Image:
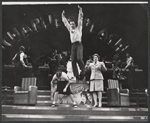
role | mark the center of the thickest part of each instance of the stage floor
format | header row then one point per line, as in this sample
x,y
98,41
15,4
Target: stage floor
x,y
64,112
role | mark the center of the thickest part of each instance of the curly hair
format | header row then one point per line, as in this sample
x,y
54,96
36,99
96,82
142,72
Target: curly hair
x,y
22,48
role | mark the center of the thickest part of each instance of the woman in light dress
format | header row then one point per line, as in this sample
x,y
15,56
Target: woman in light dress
x,y
96,79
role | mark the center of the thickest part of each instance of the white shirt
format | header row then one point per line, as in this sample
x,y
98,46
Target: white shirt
x,y
129,61
75,34
22,56
63,77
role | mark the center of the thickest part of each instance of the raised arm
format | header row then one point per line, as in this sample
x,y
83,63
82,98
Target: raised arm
x,y
129,63
66,79
64,20
103,67
80,18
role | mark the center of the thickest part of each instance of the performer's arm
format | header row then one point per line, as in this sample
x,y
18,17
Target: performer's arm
x,y
21,59
103,67
80,18
129,63
66,79
64,20
52,86
53,79
87,66
13,59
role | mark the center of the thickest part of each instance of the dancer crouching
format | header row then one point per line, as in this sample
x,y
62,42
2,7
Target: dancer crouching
x,y
62,86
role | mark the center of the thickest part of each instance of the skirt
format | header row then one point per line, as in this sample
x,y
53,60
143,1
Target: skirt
x,y
60,87
96,85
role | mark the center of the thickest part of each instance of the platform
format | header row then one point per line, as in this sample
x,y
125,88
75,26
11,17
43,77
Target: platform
x,y
68,113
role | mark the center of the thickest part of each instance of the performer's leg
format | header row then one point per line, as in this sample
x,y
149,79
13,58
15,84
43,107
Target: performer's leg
x,y
131,78
53,90
19,74
71,97
55,98
80,58
95,99
74,60
100,98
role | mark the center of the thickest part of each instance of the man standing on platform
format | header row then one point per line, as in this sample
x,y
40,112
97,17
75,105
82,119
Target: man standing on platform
x,y
20,65
130,65
76,38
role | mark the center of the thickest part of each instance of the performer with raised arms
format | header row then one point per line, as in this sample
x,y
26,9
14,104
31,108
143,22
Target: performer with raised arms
x,y
76,39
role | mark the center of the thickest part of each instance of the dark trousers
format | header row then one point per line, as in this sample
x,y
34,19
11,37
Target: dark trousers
x,y
131,77
19,73
76,57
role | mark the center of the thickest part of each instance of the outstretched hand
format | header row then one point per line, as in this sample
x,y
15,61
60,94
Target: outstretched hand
x,y
63,12
79,7
64,90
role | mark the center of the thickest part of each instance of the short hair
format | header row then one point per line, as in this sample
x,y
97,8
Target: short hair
x,y
71,18
22,48
58,74
97,56
127,53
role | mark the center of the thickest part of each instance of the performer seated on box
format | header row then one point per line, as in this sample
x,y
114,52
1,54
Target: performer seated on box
x,y
62,86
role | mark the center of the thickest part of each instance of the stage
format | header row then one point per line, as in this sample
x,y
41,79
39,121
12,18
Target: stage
x,y
64,111
68,113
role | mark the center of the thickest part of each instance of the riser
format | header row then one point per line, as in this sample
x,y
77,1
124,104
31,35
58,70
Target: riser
x,y
73,118
104,99
73,111
47,98
104,103
41,92
43,98
49,104
44,92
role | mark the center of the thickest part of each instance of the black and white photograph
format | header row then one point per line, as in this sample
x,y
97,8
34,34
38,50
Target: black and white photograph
x,y
74,61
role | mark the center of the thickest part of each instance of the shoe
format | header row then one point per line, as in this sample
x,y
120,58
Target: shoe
x,y
100,105
84,79
75,105
53,105
95,105
77,79
82,76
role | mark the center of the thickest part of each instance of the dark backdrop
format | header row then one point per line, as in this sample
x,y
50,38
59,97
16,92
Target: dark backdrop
x,y
128,21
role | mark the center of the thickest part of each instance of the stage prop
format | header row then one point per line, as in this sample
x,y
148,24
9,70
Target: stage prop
x,y
80,94
27,93
140,97
117,96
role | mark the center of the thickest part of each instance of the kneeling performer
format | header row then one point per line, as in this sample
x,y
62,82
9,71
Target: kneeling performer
x,y
62,86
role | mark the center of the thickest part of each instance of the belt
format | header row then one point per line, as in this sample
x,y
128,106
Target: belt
x,y
77,42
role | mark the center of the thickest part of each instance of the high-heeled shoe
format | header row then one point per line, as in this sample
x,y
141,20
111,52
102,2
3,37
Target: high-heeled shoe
x,y
100,105
95,105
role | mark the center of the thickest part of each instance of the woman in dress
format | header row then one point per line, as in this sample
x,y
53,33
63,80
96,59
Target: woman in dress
x,y
96,79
